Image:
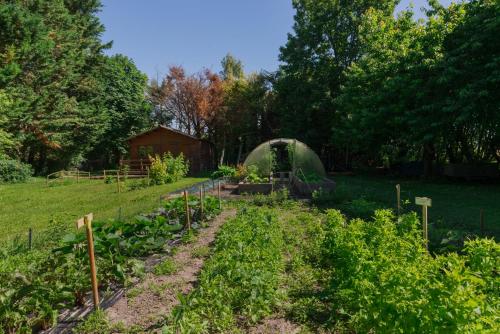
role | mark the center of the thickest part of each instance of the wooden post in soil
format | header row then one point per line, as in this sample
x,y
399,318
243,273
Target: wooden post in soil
x,y
425,202
87,222
104,175
77,176
218,195
188,218
481,221
201,202
118,181
398,197
30,238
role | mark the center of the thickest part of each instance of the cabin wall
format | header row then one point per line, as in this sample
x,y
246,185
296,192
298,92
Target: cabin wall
x,y
198,152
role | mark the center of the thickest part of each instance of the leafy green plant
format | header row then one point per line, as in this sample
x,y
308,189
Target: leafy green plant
x,y
239,281
224,171
166,267
381,267
253,175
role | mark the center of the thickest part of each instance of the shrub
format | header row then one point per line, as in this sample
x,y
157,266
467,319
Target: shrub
x,y
14,171
224,171
386,282
168,169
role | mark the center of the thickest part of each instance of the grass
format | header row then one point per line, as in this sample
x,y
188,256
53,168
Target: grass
x,y
454,205
35,205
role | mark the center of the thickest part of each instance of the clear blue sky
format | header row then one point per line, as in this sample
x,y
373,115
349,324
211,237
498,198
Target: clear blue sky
x,y
198,33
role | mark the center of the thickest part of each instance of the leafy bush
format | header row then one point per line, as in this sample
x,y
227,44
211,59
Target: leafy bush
x,y
386,282
276,198
253,175
359,208
224,171
14,171
168,169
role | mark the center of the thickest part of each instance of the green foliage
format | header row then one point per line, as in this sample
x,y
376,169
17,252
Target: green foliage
x,y
28,288
359,208
13,171
96,323
224,171
254,176
168,169
385,281
166,267
310,177
277,198
239,281
433,81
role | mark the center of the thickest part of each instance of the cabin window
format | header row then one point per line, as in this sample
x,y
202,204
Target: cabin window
x,y
144,151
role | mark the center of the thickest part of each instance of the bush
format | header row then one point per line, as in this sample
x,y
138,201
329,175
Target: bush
x,y
168,169
13,171
386,282
224,171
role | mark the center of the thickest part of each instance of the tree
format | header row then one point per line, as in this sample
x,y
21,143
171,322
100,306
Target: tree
x,y
323,45
192,101
426,90
123,89
232,68
51,52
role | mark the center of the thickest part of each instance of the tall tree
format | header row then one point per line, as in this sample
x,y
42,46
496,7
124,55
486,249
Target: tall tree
x,y
323,45
232,68
123,89
192,101
50,52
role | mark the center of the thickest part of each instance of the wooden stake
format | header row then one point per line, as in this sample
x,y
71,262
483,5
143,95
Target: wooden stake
x,y
481,222
188,218
87,221
201,202
30,238
77,176
218,194
425,202
104,175
398,196
118,181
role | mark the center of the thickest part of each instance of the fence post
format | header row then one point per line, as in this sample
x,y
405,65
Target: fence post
x,y
201,201
481,221
30,238
77,176
398,196
218,195
118,181
188,218
425,202
104,175
87,222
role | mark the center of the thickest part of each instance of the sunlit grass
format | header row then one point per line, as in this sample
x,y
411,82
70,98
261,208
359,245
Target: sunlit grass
x,y
34,205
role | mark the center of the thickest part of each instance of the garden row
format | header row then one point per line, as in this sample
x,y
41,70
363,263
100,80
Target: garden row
x,y
36,285
323,271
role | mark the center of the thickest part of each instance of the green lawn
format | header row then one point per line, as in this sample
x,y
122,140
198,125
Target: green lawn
x,y
34,204
454,205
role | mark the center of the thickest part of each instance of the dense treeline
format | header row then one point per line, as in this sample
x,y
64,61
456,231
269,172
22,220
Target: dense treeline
x,y
370,86
357,83
61,99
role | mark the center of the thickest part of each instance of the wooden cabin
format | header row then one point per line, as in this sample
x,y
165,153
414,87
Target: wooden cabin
x,y
162,139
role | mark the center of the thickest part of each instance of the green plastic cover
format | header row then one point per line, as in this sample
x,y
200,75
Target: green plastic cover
x,y
269,157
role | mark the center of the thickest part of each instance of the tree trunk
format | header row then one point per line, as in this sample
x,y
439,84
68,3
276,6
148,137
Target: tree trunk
x,y
428,158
